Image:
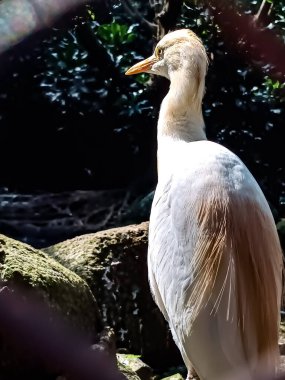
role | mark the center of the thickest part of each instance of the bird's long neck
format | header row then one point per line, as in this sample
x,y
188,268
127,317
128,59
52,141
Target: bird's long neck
x,y
180,121
180,114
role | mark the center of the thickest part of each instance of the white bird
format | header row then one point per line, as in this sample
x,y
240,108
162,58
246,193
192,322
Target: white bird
x,y
214,259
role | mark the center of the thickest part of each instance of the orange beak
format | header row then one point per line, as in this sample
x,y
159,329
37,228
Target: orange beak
x,y
143,66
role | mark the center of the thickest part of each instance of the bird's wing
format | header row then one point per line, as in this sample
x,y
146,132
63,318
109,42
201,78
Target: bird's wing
x,y
156,293
213,242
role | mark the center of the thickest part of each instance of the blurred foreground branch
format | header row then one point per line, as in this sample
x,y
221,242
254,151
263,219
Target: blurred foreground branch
x,y
24,322
20,18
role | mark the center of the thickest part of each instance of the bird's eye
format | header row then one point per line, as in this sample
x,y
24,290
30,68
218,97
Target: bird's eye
x,y
158,52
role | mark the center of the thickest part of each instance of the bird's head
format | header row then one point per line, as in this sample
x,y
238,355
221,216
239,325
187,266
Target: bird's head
x,y
178,51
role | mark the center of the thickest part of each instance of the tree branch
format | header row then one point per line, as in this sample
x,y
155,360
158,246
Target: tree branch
x,y
133,12
262,17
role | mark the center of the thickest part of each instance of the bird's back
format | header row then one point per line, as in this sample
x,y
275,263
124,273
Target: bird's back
x,y
215,260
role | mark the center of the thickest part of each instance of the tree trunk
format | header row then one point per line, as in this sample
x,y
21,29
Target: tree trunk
x,y
166,14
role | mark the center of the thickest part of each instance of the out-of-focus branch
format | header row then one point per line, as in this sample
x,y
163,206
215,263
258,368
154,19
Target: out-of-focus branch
x,y
27,325
20,18
259,46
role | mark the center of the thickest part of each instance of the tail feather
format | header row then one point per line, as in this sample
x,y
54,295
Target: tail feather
x,y
238,242
258,258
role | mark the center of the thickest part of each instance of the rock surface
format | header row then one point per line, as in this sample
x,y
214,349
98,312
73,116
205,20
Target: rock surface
x,y
127,372
133,362
32,273
177,376
114,264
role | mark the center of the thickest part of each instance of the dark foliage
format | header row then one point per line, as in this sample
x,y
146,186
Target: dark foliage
x,y
70,119
69,115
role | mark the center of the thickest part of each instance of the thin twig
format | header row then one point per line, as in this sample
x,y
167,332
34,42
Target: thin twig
x,y
263,15
133,12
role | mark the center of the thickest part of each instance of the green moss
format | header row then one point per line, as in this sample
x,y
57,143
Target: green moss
x,y
88,255
114,264
177,376
127,372
64,291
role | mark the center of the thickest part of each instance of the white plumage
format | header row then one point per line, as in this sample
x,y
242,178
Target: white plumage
x,y
214,262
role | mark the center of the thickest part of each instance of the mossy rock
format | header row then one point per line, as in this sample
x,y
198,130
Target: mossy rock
x,y
114,264
33,273
136,365
127,372
177,376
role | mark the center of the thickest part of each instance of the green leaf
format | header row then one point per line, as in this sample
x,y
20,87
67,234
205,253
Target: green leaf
x,y
276,84
91,14
116,34
142,78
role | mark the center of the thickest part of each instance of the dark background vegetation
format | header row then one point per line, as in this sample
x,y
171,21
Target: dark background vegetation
x,y
70,120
